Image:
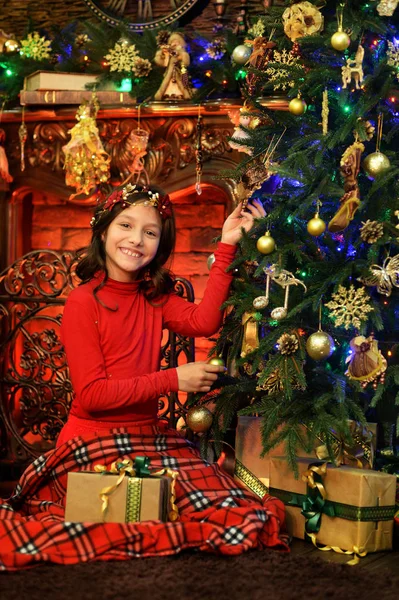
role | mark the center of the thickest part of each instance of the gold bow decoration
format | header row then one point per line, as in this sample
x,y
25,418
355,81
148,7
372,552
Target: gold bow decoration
x,y
138,468
250,340
361,450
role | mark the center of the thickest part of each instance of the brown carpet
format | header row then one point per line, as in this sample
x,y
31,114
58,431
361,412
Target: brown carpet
x,y
253,576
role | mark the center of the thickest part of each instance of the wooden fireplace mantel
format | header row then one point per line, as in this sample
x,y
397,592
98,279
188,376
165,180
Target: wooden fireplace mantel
x,y
170,160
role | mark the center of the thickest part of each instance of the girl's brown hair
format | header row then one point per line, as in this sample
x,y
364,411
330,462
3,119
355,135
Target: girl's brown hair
x,y
158,280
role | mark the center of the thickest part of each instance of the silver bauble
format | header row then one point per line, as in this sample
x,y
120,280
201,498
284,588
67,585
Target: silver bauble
x,y
241,54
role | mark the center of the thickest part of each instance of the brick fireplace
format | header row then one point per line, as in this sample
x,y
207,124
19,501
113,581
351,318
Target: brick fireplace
x,y
40,214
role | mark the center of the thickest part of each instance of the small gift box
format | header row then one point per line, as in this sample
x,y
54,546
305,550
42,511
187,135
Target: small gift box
x,y
347,510
126,493
249,447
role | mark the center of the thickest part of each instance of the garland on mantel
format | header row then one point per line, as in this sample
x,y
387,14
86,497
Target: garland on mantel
x,y
125,59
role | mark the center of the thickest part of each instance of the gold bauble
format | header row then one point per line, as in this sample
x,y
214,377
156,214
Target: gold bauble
x,y
375,164
199,419
297,106
316,226
340,40
266,244
210,261
11,46
241,54
216,360
320,345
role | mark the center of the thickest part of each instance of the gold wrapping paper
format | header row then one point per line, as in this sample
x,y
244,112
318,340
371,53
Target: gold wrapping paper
x,y
146,500
349,487
249,447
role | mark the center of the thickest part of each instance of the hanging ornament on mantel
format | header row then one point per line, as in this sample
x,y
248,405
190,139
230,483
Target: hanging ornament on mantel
x,y
4,171
86,162
198,153
376,163
340,40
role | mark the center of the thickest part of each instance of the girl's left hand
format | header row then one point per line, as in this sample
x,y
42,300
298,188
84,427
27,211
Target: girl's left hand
x,y
241,219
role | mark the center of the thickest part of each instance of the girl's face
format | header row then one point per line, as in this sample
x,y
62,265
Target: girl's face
x,y
131,241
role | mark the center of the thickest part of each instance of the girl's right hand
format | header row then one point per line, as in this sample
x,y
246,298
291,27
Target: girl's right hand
x,y
198,376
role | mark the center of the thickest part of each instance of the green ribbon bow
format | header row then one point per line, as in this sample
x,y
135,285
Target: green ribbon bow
x,y
141,466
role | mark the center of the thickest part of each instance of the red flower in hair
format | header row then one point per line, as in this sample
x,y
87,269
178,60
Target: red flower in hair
x,y
165,206
113,199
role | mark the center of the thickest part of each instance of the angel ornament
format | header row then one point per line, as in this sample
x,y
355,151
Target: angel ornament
x,y
354,68
175,58
384,277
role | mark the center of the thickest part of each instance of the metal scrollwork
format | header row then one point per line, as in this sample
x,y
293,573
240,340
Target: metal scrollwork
x,y
35,386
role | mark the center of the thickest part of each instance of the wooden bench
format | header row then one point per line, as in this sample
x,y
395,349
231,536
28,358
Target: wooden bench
x,y
35,386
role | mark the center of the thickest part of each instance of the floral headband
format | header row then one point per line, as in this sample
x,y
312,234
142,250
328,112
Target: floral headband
x,y
162,203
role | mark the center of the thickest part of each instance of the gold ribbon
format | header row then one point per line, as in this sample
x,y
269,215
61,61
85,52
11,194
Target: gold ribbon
x,y
250,340
125,467
308,476
357,552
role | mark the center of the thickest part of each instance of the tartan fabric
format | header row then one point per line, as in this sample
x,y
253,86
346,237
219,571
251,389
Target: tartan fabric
x,y
216,515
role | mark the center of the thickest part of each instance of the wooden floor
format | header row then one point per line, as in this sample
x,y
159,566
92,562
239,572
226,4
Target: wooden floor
x,y
372,562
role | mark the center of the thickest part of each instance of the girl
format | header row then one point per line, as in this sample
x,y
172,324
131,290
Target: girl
x,y
112,330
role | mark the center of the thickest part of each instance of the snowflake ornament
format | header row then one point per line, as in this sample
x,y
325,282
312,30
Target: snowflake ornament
x,y
122,57
36,47
349,307
279,74
393,57
257,29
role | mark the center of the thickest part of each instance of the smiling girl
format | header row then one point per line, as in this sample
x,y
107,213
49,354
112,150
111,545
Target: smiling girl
x,y
112,332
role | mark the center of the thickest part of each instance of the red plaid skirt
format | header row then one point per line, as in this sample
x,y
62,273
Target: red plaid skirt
x,y
216,514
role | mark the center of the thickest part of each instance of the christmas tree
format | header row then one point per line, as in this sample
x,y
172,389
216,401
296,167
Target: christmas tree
x,y
311,329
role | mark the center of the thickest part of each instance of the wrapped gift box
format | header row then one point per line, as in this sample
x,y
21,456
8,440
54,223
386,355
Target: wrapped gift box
x,y
249,448
134,499
363,502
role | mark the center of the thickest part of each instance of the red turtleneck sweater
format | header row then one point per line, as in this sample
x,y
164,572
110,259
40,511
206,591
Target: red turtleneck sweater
x,y
114,356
